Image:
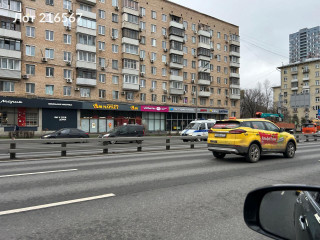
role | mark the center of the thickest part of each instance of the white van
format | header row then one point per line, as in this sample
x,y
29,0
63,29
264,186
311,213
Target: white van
x,y
198,128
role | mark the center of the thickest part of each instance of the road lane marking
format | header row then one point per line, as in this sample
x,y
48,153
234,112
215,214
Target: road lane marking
x,y
18,210
35,173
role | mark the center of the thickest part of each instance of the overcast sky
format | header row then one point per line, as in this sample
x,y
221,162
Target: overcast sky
x,y
264,26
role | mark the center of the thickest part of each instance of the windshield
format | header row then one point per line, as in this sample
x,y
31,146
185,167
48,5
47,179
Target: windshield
x,y
193,125
226,125
308,126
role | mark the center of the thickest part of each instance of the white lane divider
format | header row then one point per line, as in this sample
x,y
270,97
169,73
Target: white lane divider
x,y
19,210
35,173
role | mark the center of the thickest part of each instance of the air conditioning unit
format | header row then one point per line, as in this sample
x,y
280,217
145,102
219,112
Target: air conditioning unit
x,y
141,59
165,36
44,59
192,80
212,49
69,80
103,68
70,11
123,93
116,8
77,89
140,29
152,61
68,63
165,91
195,56
165,50
142,74
306,110
140,15
195,31
25,76
113,37
30,19
215,56
68,28
169,97
193,93
184,92
151,89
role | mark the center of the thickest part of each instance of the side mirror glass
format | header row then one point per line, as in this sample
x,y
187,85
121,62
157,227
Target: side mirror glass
x,y
288,212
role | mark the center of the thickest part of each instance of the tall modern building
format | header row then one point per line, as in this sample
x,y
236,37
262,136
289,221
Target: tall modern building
x,y
97,64
304,44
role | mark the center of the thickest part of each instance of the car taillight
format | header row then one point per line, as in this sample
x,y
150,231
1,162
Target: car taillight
x,y
143,132
237,131
210,131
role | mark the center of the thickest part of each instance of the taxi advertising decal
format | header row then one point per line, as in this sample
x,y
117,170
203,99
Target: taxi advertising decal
x,y
268,138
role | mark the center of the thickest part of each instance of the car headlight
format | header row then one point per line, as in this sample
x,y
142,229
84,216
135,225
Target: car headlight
x,y
46,136
190,134
105,136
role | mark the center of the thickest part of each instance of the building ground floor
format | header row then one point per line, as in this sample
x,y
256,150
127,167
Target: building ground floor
x,y
43,115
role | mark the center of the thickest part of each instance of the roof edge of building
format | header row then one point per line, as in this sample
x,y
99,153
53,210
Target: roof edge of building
x,y
300,62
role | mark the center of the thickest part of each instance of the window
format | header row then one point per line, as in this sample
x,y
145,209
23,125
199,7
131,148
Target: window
x,y
143,68
49,2
142,11
102,14
164,17
193,76
67,38
164,98
30,69
153,97
130,4
129,95
128,48
115,17
30,50
203,101
67,73
143,97
142,83
87,23
226,81
49,53
193,64
30,31
30,88
67,56
153,42
67,4
185,50
49,17
194,39
317,82
66,91
154,84
114,64
218,68
86,56
102,62
85,92
153,56
102,93
153,70
85,7
211,102
102,78
143,40
49,35
129,33
6,86
185,24
115,48
218,34
185,75
317,74
153,15
174,99
225,48
164,72
142,25
142,54
102,30
49,89
115,3
30,12
225,59
164,85
153,28
185,62
49,72
164,44
133,79
115,94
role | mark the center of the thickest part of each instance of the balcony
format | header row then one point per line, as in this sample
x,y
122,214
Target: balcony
x,y
204,45
86,82
130,71
204,82
294,88
10,54
235,75
86,65
306,87
90,2
176,25
10,33
293,72
130,11
235,64
204,94
306,79
131,87
10,14
10,74
86,14
305,71
177,52
235,54
294,80
86,48
235,85
176,65
176,38
176,78
235,96
204,33
202,69
130,41
176,91
234,42
203,57
88,31
130,25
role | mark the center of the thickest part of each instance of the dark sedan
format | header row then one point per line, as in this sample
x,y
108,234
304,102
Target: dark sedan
x,y
66,133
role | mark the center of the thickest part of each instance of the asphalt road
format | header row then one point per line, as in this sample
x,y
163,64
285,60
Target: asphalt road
x,y
178,194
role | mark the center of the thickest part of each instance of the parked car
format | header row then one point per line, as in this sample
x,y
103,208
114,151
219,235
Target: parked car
x,y
67,133
129,130
198,128
284,211
250,138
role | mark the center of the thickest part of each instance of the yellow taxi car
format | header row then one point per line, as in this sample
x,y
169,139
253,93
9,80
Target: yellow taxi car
x,y
249,138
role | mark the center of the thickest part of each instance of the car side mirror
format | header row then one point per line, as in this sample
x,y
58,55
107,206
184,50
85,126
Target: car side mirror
x,y
59,133
284,211
281,130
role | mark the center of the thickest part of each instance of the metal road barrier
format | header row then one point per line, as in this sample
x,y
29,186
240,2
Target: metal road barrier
x,y
307,137
15,147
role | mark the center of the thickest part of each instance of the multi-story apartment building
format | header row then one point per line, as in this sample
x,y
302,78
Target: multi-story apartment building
x,y
96,64
304,44
299,93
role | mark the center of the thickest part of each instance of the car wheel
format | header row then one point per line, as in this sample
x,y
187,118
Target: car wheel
x,y
139,141
254,153
185,140
219,155
112,142
290,150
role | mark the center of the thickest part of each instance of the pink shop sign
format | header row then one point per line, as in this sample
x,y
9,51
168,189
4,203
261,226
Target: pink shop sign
x,y
147,108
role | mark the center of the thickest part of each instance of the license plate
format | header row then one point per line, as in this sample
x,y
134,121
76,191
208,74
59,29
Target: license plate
x,y
221,135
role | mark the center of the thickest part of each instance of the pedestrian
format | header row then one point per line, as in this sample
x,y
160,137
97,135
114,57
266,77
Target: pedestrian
x,y
15,132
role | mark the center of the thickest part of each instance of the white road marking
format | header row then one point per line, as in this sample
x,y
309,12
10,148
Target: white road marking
x,y
35,173
55,204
